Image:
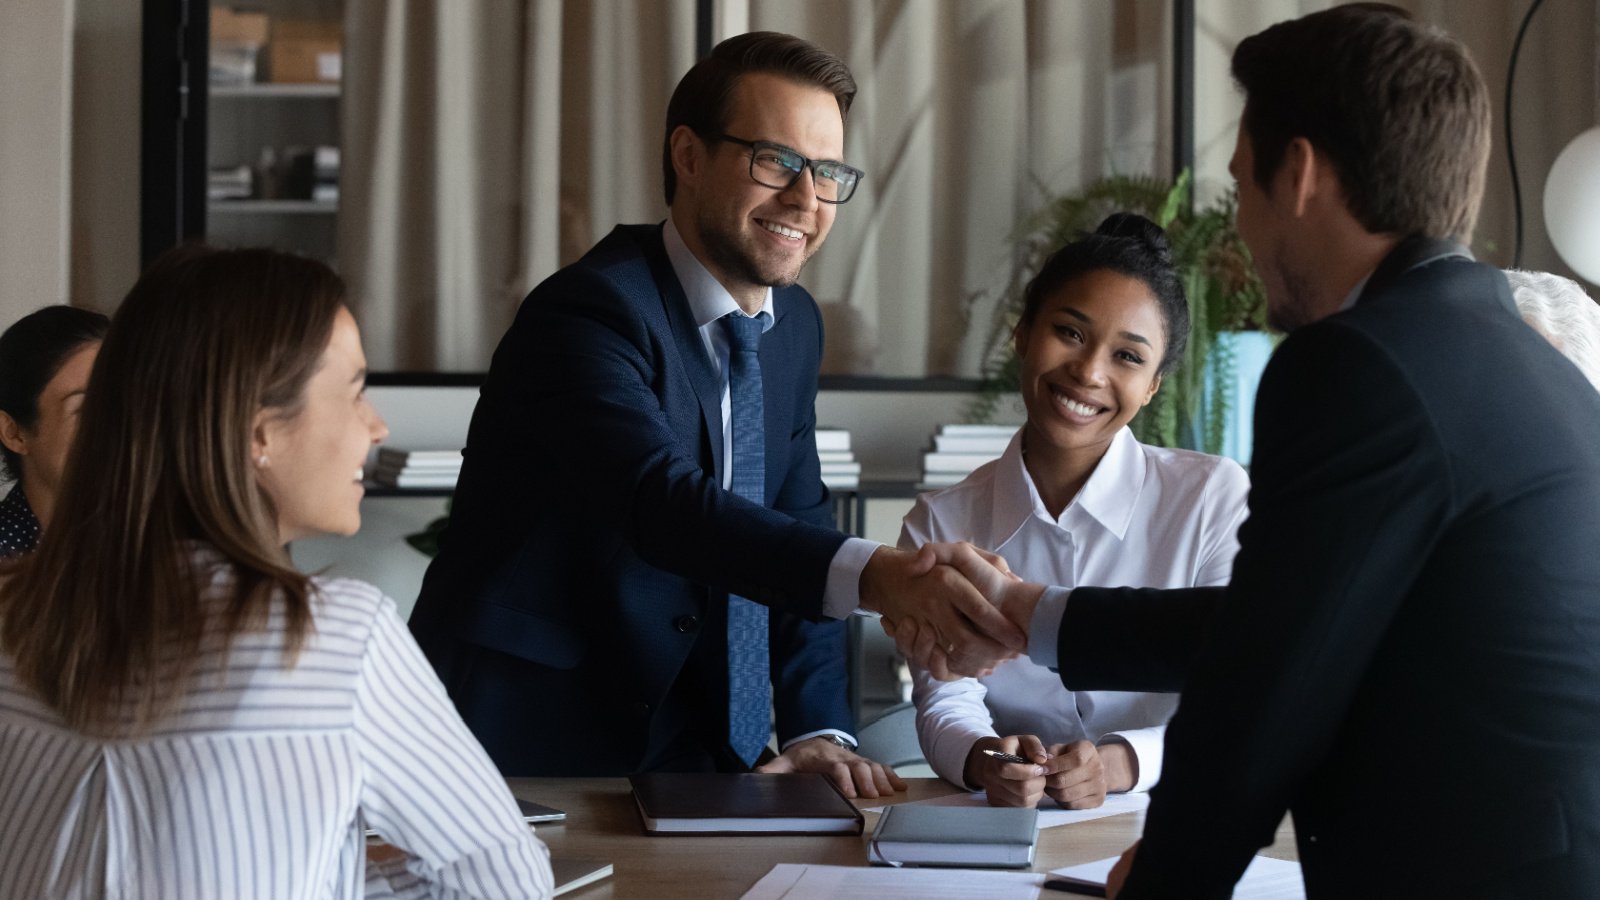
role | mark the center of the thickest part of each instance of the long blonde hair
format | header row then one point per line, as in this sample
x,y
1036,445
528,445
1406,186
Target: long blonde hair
x,y
105,620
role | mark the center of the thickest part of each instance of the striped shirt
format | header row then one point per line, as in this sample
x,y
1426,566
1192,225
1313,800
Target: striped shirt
x,y
262,781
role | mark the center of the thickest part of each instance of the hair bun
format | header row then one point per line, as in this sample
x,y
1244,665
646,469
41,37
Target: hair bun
x,y
1137,227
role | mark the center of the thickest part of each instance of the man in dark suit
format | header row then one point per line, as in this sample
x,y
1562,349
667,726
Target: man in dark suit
x,y
640,542
1408,655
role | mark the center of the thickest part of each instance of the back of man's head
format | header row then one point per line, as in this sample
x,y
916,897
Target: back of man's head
x,y
1397,106
701,99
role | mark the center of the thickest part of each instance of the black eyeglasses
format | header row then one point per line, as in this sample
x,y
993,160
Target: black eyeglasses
x,y
776,166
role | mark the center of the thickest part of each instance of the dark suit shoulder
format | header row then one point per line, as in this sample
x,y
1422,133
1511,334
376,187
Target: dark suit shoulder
x,y
625,254
626,267
796,301
1436,319
1501,397
619,291
1334,367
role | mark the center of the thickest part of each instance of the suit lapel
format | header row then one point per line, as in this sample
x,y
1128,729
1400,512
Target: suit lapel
x,y
691,349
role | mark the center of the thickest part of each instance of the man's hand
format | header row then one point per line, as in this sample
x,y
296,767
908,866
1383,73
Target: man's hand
x,y
1119,872
989,573
853,775
950,627
1009,784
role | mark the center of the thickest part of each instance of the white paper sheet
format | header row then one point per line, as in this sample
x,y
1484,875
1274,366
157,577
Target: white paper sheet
x,y
1264,879
793,881
1050,815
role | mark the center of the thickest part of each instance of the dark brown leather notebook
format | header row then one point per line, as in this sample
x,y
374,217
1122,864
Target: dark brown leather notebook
x,y
709,803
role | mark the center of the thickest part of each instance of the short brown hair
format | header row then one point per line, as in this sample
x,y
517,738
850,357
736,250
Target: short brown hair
x,y
106,617
1397,106
701,99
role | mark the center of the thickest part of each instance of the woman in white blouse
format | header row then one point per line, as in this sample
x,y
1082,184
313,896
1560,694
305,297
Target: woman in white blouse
x,y
182,713
1077,500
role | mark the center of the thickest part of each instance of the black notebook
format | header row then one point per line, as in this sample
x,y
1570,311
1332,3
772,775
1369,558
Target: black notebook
x,y
954,836
708,803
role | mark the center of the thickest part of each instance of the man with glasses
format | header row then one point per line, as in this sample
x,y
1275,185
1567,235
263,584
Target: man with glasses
x,y
640,569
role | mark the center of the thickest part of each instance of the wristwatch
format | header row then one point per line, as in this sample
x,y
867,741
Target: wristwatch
x,y
837,741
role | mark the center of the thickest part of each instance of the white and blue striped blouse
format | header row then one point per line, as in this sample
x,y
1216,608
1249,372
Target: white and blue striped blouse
x,y
263,780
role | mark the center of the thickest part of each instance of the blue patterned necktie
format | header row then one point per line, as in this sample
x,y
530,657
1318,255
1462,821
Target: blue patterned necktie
x,y
749,722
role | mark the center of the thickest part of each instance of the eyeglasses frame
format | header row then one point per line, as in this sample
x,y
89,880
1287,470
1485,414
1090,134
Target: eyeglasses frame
x,y
805,163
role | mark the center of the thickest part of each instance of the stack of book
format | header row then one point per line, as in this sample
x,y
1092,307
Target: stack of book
x,y
840,470
417,468
325,174
229,183
958,449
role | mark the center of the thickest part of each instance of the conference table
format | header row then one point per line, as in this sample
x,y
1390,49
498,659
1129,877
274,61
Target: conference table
x,y
603,823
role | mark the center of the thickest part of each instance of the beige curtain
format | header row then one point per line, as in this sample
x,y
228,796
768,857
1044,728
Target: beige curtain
x,y
969,111
1557,96
35,157
489,141
485,144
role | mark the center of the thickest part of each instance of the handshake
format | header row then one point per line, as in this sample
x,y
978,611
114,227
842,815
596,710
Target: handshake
x,y
951,608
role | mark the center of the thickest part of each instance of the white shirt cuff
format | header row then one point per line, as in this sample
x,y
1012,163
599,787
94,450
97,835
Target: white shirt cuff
x,y
1044,630
842,596
811,734
1146,745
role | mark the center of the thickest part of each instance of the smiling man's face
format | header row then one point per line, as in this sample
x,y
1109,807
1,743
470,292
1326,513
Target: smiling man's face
x,y
757,237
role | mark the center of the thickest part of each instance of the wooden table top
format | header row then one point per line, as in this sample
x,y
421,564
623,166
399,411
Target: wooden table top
x,y
603,823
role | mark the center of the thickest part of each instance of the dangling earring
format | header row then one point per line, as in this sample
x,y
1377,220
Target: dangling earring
x,y
262,462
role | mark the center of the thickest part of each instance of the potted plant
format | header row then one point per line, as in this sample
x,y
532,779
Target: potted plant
x,y
1197,402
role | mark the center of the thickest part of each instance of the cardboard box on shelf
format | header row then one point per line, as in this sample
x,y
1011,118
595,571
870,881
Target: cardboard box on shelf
x,y
237,37
305,50
238,26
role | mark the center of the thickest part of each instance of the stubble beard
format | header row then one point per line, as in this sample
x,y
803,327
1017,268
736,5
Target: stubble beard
x,y
730,251
1293,306
1296,308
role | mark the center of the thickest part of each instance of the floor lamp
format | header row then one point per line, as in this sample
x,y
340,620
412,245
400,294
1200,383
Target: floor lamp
x,y
1572,193
1572,205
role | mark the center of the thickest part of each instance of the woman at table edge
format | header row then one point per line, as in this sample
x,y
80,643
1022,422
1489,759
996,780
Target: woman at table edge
x,y
1075,499
187,714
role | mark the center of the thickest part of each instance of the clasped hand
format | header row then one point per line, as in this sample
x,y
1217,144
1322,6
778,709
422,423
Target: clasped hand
x,y
1077,775
951,608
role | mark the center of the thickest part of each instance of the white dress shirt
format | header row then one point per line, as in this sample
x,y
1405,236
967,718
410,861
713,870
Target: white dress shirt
x,y
263,781
1146,517
709,301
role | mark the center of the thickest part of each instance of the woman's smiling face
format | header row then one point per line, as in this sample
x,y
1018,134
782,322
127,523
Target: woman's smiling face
x,y
1091,357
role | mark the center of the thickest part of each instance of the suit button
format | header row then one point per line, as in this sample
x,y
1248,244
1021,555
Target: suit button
x,y
686,624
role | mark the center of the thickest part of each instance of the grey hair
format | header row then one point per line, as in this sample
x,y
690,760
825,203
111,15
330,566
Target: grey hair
x,y
1559,309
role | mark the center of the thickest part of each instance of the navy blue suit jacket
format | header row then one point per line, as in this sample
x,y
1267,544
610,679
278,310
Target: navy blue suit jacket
x,y
1408,654
584,573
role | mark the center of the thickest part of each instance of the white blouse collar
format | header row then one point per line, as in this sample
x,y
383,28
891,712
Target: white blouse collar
x,y
1109,497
